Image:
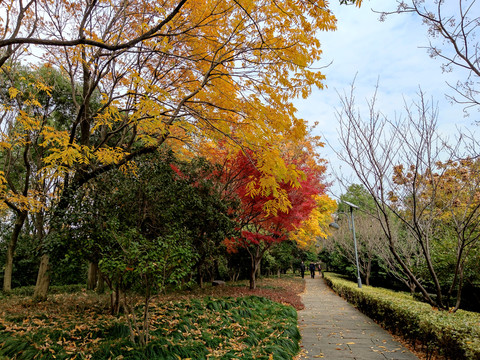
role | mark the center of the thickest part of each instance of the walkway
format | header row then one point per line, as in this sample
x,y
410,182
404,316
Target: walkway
x,y
333,329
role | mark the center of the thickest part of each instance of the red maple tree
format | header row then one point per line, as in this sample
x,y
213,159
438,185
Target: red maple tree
x,y
258,227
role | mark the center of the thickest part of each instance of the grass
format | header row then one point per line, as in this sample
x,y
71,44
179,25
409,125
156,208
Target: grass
x,y
227,322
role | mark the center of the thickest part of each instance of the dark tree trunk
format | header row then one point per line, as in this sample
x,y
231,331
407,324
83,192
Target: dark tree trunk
x,y
92,278
7,276
368,272
100,285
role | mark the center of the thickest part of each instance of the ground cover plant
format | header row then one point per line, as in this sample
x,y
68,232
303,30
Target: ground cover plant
x,y
212,323
453,335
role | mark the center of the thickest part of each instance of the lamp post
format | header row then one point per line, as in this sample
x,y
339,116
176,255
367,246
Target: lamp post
x,y
336,226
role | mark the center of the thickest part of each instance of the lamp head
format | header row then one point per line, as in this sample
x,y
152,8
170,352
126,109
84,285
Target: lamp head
x,y
334,225
350,204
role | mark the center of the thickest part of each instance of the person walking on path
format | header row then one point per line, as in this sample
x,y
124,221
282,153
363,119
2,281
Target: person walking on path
x,y
333,329
302,269
312,270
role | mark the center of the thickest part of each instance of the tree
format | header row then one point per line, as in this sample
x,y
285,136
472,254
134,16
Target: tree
x,y
458,26
260,225
455,186
148,229
32,99
315,227
377,149
373,254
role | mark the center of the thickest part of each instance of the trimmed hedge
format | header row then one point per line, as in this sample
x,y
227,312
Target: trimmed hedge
x,y
454,335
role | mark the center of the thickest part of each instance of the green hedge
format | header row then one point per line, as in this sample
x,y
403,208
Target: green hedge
x,y
54,289
455,335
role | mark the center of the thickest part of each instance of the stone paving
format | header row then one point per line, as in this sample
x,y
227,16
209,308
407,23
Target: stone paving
x,y
331,328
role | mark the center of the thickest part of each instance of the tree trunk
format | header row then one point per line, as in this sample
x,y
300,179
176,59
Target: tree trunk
x,y
43,279
412,287
252,278
368,272
256,259
100,285
459,290
7,277
92,276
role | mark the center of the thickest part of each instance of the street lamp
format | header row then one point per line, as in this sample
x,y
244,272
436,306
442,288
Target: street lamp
x,y
336,226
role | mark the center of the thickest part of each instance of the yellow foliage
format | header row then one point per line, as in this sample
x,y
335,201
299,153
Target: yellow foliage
x,y
316,226
13,92
108,155
216,71
32,202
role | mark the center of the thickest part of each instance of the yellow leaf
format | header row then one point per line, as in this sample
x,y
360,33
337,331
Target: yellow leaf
x,y
13,92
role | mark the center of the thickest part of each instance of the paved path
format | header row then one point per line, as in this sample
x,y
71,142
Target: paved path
x,y
333,329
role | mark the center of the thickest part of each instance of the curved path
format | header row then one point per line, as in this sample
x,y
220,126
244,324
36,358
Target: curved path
x,y
333,329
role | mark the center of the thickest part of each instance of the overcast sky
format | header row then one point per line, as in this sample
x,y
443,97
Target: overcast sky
x,y
390,52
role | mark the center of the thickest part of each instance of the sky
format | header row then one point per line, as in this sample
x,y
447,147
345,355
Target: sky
x,y
390,52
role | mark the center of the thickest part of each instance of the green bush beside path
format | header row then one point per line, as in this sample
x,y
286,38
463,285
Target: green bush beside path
x,y
454,335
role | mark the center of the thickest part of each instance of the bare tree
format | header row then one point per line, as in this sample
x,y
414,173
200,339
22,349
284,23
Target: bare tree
x,y
392,159
409,250
457,24
369,236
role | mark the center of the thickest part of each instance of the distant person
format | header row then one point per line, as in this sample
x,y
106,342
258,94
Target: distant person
x,y
312,270
320,269
302,269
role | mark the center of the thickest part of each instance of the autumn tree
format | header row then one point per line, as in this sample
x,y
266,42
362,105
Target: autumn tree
x,y
316,226
398,163
260,224
455,187
176,72
32,99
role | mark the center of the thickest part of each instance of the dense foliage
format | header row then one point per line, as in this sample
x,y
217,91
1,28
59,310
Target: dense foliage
x,y
111,83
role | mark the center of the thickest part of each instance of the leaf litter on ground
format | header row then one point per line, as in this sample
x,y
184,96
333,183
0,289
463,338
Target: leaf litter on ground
x,y
223,322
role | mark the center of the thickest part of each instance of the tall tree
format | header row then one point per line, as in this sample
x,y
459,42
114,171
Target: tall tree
x,y
260,224
455,188
32,99
398,163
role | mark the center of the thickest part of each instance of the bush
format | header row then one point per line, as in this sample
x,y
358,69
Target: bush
x,y
454,335
54,289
